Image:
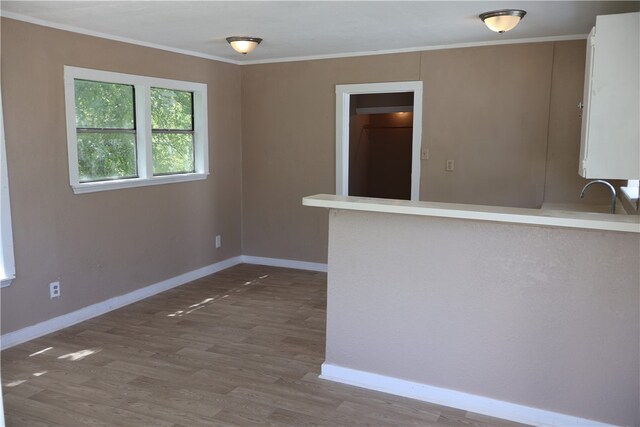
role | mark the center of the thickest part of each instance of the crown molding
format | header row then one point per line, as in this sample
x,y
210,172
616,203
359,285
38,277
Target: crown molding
x,y
70,28
418,49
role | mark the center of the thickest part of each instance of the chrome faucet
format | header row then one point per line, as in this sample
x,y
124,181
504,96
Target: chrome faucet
x,y
611,188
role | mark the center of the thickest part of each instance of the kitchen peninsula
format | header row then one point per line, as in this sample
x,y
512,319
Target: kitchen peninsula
x,y
525,314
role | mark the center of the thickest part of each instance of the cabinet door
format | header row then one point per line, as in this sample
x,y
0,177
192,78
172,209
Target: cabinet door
x,y
611,134
586,103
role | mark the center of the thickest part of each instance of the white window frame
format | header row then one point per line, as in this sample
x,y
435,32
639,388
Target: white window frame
x,y
142,85
7,260
632,192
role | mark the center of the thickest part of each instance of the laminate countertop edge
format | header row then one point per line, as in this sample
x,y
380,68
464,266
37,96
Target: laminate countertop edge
x,y
543,217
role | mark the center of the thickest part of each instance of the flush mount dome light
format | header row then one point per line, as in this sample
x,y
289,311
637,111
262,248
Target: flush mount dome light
x,y
243,45
504,20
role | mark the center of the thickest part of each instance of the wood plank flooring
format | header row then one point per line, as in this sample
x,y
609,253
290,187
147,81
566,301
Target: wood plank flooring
x,y
241,347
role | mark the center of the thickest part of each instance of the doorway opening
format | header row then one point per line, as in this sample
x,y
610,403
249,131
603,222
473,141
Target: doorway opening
x,y
378,139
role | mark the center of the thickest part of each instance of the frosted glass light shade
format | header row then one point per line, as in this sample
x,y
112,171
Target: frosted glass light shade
x,y
244,45
501,21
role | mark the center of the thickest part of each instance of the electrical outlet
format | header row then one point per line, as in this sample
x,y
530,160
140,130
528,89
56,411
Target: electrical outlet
x,y
54,290
449,165
218,242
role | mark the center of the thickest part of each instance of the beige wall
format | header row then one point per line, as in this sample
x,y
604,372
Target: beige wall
x,y
525,314
505,114
563,184
288,147
106,244
487,108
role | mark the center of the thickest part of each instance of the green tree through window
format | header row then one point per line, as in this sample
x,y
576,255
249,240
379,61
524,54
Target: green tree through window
x,y
106,130
172,131
126,130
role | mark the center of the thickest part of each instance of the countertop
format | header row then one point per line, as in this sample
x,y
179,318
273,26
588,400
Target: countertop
x,y
544,217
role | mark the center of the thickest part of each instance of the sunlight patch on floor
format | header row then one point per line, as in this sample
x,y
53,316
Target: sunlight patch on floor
x,y
15,383
40,352
79,355
210,300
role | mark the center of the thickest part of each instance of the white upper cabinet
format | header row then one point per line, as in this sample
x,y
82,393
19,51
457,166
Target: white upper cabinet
x,y
610,142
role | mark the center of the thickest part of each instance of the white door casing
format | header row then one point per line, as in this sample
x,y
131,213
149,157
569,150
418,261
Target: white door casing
x,y
343,96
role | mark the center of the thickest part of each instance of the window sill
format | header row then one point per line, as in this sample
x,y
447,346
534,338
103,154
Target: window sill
x,y
6,282
91,187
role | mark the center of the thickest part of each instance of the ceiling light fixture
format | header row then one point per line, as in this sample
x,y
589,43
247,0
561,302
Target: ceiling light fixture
x,y
243,45
504,20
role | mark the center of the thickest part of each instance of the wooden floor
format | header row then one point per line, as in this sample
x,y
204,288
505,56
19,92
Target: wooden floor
x,y
240,347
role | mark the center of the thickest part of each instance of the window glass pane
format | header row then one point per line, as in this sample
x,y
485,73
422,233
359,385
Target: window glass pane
x,y
172,153
106,156
104,105
171,109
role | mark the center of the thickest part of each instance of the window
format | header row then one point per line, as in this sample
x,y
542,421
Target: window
x,y
126,130
630,191
7,263
105,131
172,131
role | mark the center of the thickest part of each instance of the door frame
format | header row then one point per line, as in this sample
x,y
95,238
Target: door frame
x,y
343,99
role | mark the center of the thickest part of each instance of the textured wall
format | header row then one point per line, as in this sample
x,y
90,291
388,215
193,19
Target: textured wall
x,y
563,184
105,244
496,110
288,147
539,316
487,108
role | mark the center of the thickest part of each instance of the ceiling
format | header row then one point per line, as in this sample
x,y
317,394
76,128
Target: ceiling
x,y
309,29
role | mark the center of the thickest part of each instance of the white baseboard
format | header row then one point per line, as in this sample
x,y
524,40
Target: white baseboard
x,y
276,262
48,326
455,399
52,325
